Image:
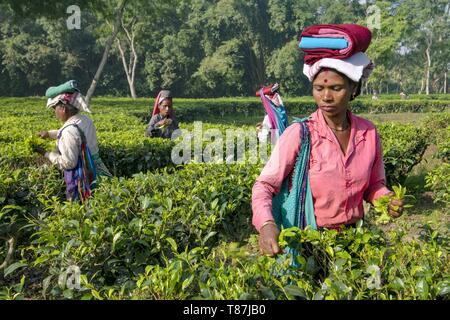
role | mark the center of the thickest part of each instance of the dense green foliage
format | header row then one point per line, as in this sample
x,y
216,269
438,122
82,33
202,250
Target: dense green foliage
x,y
438,180
162,231
214,48
403,148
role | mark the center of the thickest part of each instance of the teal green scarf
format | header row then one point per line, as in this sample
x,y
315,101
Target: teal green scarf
x,y
295,208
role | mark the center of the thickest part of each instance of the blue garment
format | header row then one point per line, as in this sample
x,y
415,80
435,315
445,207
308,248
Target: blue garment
x,y
326,43
281,116
295,208
82,179
277,114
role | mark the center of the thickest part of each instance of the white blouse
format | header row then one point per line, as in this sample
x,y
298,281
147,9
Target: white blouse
x,y
70,141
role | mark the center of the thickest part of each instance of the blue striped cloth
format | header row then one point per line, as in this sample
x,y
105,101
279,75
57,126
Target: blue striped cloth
x,y
328,43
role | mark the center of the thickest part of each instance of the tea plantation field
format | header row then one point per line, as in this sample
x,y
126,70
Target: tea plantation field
x,y
160,230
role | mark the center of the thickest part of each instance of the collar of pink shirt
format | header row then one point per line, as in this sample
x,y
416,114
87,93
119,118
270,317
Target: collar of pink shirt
x,y
358,129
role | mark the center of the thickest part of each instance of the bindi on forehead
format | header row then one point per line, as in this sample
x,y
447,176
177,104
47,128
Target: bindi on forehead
x,y
326,80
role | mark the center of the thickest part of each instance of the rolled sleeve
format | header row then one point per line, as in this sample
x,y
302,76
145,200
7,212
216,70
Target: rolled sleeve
x,y
279,166
377,183
53,134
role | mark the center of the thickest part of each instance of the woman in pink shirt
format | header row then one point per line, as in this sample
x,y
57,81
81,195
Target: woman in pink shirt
x,y
345,164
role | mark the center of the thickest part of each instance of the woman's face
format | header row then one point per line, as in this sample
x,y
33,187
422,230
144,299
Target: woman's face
x,y
332,92
60,113
165,106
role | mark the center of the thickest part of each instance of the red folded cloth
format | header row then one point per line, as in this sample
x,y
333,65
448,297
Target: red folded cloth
x,y
269,90
358,38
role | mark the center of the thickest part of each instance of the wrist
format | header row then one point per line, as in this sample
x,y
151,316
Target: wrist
x,y
268,222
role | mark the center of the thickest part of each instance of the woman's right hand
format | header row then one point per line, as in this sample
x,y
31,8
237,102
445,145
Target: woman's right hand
x,y
43,134
162,122
268,240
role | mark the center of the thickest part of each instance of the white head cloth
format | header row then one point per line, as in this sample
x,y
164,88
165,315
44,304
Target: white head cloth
x,y
356,67
76,100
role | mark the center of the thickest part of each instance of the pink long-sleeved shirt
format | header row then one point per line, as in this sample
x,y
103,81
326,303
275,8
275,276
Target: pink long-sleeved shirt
x,y
339,183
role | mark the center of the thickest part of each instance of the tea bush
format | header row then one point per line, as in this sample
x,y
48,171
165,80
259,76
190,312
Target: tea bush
x,y
403,148
131,223
354,264
162,231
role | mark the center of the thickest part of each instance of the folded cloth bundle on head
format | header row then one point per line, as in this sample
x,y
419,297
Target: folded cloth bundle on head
x,y
75,99
357,37
318,43
68,87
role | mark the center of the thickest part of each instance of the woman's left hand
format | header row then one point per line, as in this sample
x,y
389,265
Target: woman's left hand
x,y
43,134
395,207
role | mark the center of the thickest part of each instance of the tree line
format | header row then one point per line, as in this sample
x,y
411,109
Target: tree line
x,y
211,48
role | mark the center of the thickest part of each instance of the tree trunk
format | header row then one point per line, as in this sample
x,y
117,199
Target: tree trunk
x,y
435,85
11,244
130,70
257,79
109,42
445,82
256,53
427,86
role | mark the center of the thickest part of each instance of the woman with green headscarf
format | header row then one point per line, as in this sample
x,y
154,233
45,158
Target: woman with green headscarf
x,y
77,151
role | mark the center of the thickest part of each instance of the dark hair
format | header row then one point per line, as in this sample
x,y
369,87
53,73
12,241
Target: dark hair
x,y
350,81
71,109
357,91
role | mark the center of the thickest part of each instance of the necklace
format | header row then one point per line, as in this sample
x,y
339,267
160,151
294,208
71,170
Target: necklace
x,y
344,129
